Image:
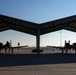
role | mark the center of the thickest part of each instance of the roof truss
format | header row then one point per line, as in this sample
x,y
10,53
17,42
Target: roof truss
x,y
6,22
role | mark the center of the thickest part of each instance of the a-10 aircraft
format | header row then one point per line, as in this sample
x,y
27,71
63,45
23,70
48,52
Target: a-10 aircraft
x,y
20,46
9,48
66,47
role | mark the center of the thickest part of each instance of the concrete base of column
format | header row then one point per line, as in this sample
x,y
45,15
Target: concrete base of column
x,y
37,51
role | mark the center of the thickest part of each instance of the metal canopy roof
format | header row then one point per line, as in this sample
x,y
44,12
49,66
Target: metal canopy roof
x,y
68,23
17,24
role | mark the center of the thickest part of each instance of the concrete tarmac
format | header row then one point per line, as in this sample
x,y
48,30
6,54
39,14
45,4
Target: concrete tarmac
x,y
50,69
47,63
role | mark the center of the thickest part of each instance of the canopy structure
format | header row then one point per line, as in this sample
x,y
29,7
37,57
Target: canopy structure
x,y
6,23
68,23
17,24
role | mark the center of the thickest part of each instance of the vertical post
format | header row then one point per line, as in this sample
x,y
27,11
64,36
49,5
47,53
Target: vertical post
x,y
10,43
60,38
38,41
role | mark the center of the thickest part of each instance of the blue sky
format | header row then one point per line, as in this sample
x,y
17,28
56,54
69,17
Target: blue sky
x,y
38,11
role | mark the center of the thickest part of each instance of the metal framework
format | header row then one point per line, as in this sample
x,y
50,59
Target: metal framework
x,y
6,23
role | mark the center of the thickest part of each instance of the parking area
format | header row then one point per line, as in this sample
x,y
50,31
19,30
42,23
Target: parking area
x,y
24,62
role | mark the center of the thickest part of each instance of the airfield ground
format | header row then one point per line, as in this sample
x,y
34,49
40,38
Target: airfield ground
x,y
49,62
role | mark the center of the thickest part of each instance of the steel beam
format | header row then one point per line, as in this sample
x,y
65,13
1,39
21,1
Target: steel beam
x,y
38,42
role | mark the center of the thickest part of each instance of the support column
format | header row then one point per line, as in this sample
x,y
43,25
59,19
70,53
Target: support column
x,y
38,41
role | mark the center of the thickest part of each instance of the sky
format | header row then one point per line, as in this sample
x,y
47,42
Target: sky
x,y
38,11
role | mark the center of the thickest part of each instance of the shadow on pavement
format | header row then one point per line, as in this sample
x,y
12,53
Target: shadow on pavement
x,y
34,59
